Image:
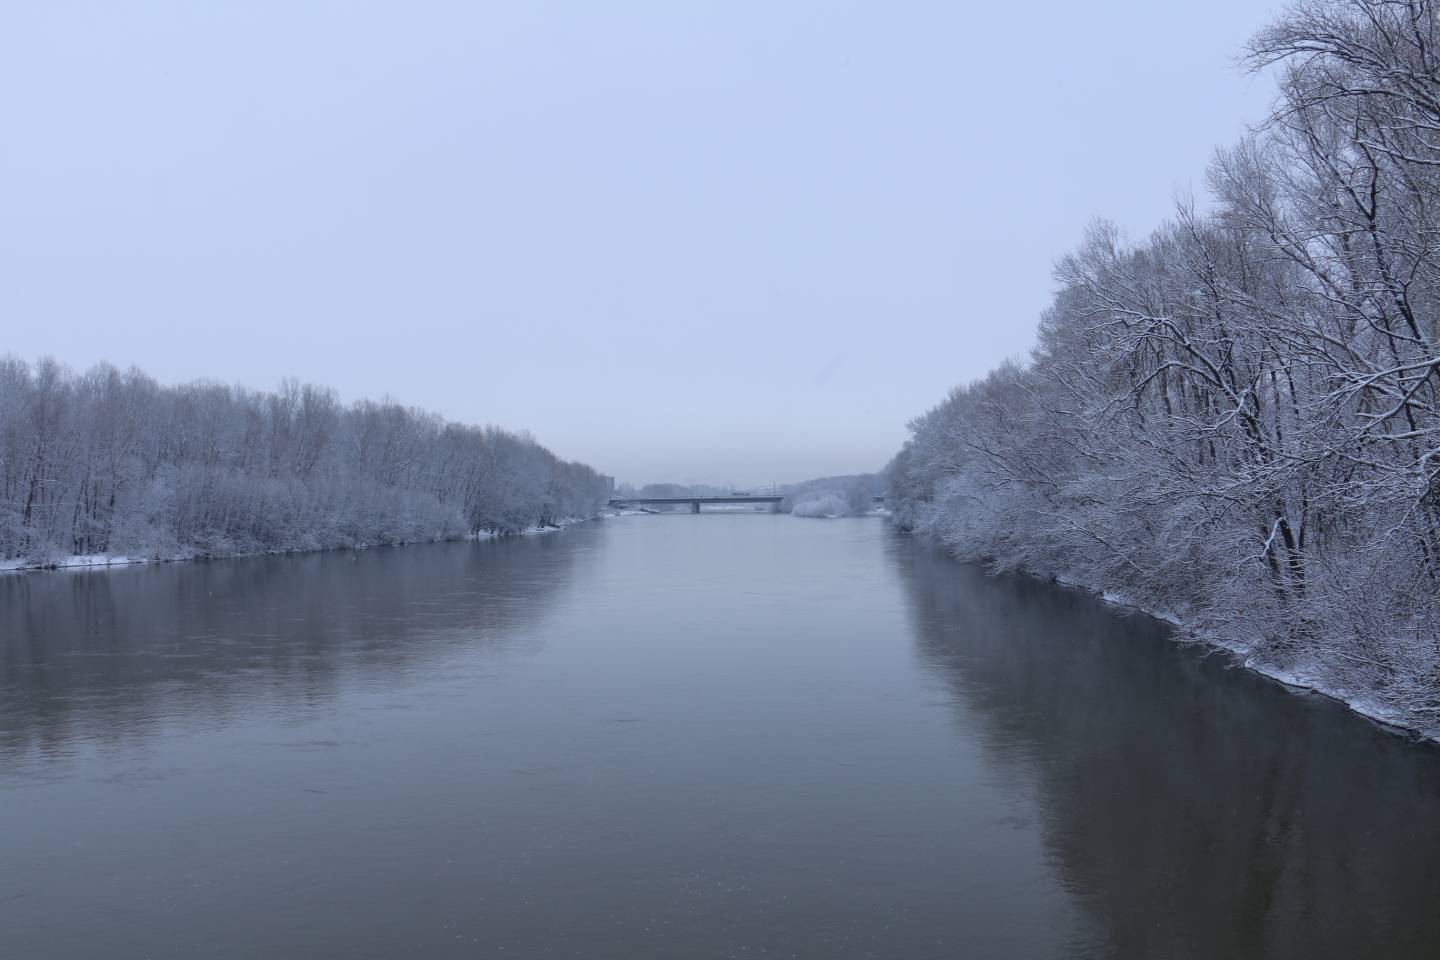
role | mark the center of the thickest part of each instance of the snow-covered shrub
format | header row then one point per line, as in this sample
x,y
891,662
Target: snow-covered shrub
x,y
820,504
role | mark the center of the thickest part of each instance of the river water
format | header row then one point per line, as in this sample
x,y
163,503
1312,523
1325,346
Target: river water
x,y
674,737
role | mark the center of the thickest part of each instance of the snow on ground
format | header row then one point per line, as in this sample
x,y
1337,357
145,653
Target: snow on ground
x,y
73,561
1297,678
92,560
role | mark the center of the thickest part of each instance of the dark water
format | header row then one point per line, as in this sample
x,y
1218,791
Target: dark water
x,y
677,737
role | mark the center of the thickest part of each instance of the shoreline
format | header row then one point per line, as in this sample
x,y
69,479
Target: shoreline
x,y
1295,680
103,561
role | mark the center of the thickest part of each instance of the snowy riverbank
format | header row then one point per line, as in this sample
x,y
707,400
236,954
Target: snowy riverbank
x,y
104,560
1299,678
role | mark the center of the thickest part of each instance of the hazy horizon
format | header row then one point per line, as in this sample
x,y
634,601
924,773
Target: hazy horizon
x,y
718,243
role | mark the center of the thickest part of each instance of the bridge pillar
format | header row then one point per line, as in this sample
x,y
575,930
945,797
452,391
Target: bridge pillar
x,y
695,506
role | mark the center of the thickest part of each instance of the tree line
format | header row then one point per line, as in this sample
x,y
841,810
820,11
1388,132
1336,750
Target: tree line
x,y
1236,419
852,495
111,462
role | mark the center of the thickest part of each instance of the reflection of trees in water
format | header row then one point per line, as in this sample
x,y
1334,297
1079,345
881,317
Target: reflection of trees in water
x,y
1194,810
106,654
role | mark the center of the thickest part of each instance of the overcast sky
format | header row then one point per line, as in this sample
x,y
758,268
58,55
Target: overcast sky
x,y
731,241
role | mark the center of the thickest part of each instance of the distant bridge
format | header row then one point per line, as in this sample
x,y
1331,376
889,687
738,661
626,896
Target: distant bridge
x,y
694,502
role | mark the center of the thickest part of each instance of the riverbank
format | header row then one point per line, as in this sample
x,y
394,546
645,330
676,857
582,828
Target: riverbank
x,y
105,560
1299,679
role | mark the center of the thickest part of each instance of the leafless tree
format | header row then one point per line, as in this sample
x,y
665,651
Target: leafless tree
x,y
1235,420
112,463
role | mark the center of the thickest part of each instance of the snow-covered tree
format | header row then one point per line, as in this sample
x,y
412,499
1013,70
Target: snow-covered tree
x,y
111,462
1236,418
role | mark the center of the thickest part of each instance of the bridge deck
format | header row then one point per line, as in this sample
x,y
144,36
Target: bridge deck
x,y
617,501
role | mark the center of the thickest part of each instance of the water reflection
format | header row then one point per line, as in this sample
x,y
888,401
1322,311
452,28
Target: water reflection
x,y
1194,810
683,736
107,655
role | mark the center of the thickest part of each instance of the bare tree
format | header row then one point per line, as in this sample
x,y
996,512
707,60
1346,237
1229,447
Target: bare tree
x,y
1236,419
110,462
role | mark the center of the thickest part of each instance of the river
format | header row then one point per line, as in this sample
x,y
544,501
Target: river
x,y
725,735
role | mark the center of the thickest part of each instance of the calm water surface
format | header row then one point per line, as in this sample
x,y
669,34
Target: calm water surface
x,y
678,737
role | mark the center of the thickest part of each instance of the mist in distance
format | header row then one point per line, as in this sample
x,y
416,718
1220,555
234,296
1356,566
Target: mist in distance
x,y
694,243
687,551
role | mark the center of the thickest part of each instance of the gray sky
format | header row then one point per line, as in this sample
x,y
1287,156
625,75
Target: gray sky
x,y
732,241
